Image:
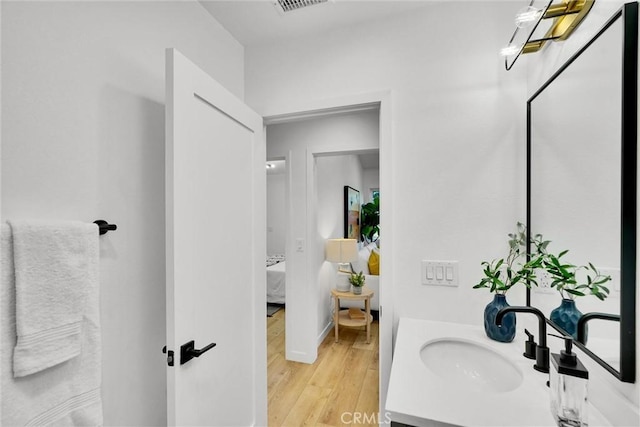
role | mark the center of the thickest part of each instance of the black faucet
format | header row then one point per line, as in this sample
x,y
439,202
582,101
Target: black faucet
x,y
542,351
582,323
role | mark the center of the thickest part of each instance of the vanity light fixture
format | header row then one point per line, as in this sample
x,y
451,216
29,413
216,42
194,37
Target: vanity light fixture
x,y
527,17
542,21
511,49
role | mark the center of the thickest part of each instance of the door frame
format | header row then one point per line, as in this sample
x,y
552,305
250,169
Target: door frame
x,y
298,338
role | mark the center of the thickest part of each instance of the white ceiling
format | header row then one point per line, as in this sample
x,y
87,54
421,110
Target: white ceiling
x,y
255,22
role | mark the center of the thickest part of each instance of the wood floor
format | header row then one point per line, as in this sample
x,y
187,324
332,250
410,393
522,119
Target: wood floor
x,y
340,388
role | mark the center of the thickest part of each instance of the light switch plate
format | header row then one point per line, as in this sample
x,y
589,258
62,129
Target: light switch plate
x,y
439,273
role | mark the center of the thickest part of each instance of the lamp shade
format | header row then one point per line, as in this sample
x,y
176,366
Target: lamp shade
x,y
341,250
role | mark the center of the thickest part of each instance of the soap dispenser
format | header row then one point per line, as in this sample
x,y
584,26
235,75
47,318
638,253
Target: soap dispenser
x,y
568,380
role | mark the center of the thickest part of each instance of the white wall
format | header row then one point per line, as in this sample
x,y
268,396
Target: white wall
x,y
458,160
83,138
298,142
458,132
332,174
371,179
276,213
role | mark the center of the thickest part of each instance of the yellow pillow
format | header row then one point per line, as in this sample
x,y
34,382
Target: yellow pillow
x,y
374,263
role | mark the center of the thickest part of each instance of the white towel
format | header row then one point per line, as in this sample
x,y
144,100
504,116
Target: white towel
x,y
54,261
67,393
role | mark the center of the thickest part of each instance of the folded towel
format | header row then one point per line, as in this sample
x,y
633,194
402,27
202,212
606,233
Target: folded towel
x,y
67,393
54,261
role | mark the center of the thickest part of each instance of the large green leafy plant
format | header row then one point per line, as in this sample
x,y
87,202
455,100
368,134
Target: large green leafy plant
x,y
370,220
502,274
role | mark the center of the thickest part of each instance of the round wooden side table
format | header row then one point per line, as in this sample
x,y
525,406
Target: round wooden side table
x,y
342,318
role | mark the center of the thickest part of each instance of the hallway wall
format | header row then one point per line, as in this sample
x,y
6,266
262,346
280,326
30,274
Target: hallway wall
x,y
276,213
332,174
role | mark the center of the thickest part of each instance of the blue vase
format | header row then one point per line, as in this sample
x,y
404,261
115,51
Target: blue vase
x,y
507,331
566,316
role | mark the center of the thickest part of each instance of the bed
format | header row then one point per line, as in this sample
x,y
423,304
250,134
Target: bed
x,y
275,279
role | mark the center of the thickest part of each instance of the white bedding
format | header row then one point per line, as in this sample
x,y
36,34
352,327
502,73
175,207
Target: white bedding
x,y
276,283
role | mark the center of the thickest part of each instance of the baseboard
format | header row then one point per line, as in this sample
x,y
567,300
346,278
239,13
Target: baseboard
x,y
325,332
298,356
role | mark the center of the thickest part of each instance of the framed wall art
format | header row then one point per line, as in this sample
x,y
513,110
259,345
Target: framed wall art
x,y
351,213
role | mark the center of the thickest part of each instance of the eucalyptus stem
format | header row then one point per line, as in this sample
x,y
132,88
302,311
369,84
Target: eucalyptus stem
x,y
515,272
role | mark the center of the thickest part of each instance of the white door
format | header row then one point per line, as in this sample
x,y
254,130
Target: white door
x,y
216,240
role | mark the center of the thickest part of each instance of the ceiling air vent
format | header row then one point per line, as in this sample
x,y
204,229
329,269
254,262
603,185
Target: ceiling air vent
x,y
289,5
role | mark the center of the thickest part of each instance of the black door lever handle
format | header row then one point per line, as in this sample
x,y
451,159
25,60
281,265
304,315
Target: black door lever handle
x,y
188,351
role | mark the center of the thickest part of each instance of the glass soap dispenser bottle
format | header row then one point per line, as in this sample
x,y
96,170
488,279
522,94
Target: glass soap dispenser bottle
x,y
568,379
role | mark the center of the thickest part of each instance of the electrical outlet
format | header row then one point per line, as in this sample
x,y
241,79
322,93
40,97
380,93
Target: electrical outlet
x,y
544,282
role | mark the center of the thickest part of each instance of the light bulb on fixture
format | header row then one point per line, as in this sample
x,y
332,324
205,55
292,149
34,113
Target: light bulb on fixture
x,y
527,16
510,50
563,18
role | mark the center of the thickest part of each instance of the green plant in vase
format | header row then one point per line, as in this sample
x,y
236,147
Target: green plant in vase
x,y
357,282
573,281
502,274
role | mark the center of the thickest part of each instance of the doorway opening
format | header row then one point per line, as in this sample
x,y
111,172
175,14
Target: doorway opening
x,y
322,154
276,234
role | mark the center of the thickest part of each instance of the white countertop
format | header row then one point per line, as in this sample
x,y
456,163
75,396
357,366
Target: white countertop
x,y
418,397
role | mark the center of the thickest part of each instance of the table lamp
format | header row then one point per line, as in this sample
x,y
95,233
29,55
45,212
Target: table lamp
x,y
343,252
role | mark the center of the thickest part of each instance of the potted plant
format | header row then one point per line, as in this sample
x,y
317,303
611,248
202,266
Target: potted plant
x,y
357,282
370,220
502,274
573,281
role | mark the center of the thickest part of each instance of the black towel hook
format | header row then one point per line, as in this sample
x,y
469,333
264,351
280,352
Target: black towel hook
x,y
104,226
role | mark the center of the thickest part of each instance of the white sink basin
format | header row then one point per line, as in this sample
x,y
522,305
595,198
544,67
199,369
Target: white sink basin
x,y
470,364
447,373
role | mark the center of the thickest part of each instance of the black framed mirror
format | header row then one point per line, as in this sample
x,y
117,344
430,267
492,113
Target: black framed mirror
x,y
582,179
